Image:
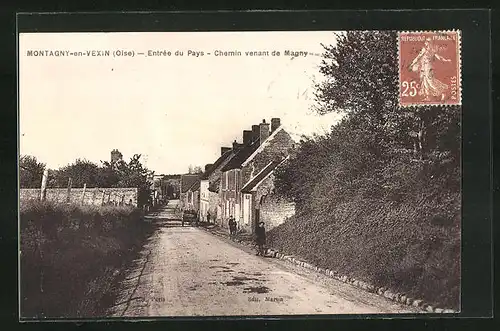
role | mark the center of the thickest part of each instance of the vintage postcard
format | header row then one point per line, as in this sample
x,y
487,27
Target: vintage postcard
x,y
241,173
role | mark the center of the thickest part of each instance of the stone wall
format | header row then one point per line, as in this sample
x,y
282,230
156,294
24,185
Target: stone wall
x,y
213,201
275,211
93,196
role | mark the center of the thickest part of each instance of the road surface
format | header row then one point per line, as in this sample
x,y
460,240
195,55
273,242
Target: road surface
x,y
186,271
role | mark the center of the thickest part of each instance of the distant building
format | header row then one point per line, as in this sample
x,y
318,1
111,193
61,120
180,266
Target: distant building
x,y
171,186
157,190
116,156
189,192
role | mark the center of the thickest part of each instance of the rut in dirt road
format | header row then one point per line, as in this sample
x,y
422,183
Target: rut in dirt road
x,y
186,271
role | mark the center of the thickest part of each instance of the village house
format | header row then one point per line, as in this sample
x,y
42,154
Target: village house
x,y
246,189
171,186
210,185
189,196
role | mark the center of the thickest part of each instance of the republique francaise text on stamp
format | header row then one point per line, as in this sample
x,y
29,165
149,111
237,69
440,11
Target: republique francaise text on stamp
x,y
429,68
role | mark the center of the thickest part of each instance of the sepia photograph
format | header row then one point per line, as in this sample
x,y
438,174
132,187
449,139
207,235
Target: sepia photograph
x,y
239,173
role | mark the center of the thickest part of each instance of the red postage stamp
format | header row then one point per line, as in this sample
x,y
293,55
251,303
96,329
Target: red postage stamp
x,y
429,68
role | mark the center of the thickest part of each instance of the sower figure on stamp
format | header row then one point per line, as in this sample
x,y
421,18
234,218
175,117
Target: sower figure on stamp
x,y
429,84
260,234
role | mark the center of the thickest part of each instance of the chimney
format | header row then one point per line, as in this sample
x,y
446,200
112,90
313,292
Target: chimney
x,y
275,123
247,137
236,146
264,131
208,166
224,150
255,132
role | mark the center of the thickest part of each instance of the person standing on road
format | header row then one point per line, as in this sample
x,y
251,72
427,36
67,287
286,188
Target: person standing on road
x,y
208,216
260,234
231,226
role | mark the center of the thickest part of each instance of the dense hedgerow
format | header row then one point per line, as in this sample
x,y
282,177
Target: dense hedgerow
x,y
395,223
411,245
70,255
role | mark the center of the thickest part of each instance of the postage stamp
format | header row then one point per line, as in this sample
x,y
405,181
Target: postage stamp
x,y
429,68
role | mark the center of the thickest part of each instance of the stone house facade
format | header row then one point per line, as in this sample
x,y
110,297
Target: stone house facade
x,y
248,177
189,196
209,186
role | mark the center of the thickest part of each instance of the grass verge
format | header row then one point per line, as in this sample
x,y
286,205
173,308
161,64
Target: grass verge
x,y
71,254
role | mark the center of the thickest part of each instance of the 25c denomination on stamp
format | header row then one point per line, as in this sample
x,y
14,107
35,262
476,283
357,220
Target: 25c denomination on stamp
x,y
429,68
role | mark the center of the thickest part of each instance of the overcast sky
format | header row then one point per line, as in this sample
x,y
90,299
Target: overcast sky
x,y
175,111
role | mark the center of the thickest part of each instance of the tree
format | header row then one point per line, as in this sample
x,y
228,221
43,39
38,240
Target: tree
x,y
81,172
194,169
134,174
362,80
197,170
108,174
30,172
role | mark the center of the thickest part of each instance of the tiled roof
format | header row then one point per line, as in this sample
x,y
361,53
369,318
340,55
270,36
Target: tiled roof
x,y
187,181
214,186
263,145
242,155
260,176
216,164
195,186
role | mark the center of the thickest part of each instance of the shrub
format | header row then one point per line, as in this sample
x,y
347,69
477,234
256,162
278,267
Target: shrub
x,y
65,249
411,244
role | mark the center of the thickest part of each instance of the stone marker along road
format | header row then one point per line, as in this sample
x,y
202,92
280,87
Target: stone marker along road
x,y
186,271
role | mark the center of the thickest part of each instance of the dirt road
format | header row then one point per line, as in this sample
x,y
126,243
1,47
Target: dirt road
x,y
186,271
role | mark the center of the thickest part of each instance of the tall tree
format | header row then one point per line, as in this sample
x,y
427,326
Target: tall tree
x,y
195,169
81,172
30,172
134,174
362,80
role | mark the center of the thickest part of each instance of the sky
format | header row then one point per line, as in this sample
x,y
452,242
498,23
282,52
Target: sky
x,y
174,110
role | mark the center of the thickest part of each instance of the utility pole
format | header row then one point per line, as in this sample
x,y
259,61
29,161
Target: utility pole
x,y
43,192
70,182
83,193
